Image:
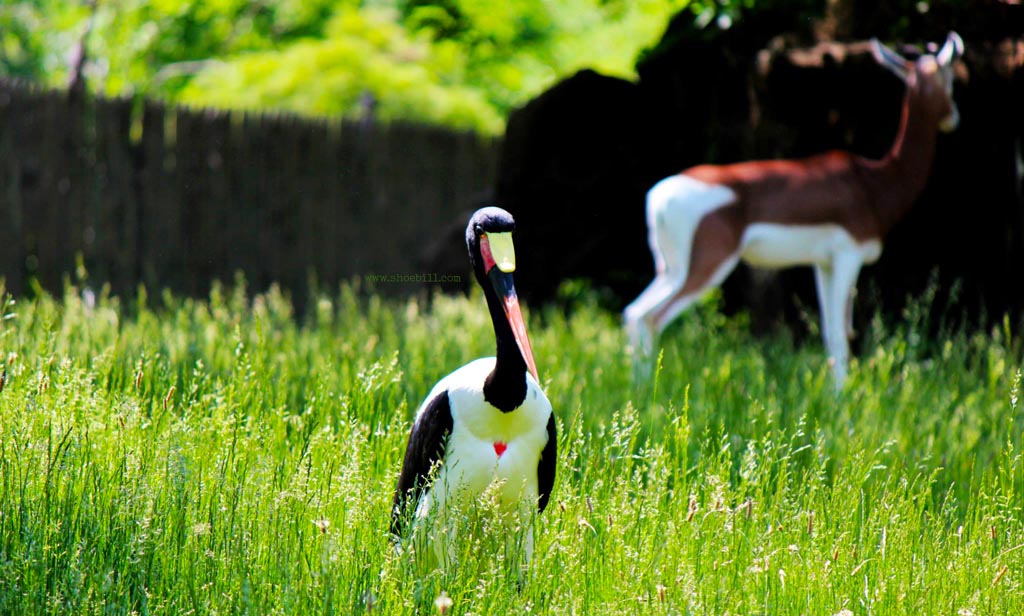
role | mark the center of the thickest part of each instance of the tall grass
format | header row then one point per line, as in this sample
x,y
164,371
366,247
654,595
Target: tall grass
x,y
217,456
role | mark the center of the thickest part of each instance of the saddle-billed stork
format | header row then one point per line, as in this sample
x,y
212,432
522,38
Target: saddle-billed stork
x,y
489,421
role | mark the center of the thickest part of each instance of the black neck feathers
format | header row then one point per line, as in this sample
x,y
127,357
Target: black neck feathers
x,y
505,387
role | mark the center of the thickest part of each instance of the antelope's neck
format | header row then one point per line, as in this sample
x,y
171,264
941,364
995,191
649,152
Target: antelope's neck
x,y
898,179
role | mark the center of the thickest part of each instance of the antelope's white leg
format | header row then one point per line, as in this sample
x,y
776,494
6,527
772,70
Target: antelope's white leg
x,y
687,297
845,269
675,207
714,253
639,314
849,312
823,281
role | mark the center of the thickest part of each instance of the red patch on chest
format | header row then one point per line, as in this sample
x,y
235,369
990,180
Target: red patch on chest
x,y
499,448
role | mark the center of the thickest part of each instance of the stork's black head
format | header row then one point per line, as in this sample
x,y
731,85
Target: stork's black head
x,y
486,220
493,256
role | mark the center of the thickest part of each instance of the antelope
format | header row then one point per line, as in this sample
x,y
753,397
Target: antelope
x,y
831,211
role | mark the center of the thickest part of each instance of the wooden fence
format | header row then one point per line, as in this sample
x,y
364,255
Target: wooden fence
x,y
176,198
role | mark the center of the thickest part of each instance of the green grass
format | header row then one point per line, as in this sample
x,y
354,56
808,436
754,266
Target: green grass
x,y
212,457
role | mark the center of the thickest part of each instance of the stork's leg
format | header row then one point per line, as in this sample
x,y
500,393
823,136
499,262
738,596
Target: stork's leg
x,y
527,550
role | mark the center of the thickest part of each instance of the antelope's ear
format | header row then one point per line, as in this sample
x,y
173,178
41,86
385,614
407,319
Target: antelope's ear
x,y
952,49
889,59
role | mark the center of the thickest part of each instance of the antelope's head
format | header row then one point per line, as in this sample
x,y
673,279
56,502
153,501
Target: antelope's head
x,y
929,78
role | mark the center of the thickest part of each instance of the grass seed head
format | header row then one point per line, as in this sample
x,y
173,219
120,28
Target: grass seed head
x,y
167,398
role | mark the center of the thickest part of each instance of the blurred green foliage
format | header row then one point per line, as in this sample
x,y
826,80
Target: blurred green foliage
x,y
464,63
363,56
34,35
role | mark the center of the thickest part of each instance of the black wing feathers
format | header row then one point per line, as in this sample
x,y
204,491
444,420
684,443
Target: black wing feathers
x,y
426,447
546,466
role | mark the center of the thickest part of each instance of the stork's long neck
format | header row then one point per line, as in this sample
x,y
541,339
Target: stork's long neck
x,y
505,387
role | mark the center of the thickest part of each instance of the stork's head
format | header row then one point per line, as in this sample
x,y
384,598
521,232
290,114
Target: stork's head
x,y
929,78
493,256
